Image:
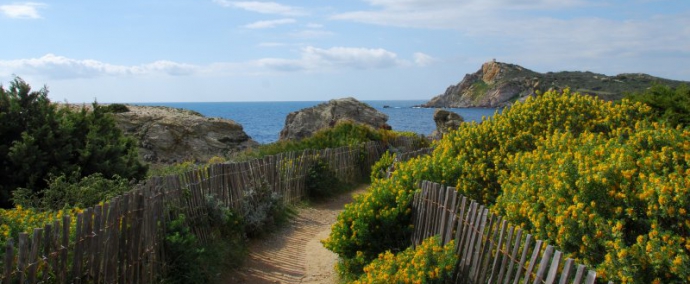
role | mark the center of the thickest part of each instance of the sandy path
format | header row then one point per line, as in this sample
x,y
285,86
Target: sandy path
x,y
294,253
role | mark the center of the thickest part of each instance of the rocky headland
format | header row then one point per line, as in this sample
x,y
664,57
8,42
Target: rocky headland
x,y
498,84
169,135
303,123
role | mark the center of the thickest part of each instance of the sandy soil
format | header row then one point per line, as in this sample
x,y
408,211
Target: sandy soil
x,y
294,253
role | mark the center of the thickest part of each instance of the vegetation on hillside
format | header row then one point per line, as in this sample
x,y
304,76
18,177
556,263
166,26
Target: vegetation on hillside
x,y
597,179
672,105
342,134
40,142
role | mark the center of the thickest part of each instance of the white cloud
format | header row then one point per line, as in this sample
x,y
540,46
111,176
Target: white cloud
x,y
28,10
475,4
60,67
551,34
269,24
451,14
309,59
263,7
422,59
313,58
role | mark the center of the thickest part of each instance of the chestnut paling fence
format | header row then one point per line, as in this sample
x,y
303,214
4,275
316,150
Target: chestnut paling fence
x,y
120,241
489,249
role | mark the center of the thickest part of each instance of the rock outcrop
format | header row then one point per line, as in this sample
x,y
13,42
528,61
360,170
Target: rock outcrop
x,y
499,84
169,135
446,121
303,123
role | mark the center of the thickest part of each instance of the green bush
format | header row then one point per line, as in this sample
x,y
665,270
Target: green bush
x,y
183,254
189,260
342,134
671,105
471,159
321,180
262,209
69,192
429,262
38,140
617,202
380,169
116,108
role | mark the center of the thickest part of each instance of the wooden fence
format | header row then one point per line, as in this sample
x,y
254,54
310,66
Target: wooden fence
x,y
489,249
121,240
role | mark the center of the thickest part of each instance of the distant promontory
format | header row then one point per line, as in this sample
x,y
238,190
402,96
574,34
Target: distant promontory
x,y
498,84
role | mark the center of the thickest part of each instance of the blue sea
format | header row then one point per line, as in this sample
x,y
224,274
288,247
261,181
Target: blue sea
x,y
264,120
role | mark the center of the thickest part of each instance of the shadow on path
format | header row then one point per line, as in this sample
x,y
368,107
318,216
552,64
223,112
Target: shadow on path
x,y
294,254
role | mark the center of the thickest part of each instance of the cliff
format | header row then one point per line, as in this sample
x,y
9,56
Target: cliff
x,y
303,123
498,84
168,135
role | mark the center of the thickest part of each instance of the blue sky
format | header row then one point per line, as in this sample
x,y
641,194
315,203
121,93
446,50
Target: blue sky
x,y
222,50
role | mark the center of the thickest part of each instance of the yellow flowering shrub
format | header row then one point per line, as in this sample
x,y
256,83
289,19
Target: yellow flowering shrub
x,y
356,236
19,219
616,201
430,262
471,159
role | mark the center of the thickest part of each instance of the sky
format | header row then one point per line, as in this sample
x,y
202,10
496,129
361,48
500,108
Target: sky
x,y
316,50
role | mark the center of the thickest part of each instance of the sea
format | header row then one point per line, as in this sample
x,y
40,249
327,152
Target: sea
x,y
264,120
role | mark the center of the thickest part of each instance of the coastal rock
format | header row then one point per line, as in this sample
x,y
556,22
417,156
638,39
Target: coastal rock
x,y
446,121
169,135
498,84
303,123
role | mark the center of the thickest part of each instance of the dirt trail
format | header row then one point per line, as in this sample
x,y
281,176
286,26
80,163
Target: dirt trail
x,y
294,253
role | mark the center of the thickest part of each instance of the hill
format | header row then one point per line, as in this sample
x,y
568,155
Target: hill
x,y
498,84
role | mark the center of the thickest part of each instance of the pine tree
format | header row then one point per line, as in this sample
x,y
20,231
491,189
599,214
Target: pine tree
x,y
38,140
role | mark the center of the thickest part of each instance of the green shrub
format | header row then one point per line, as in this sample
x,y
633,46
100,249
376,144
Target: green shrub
x,y
189,260
668,104
262,209
471,159
183,254
116,108
69,192
342,134
617,202
173,169
380,169
39,140
321,180
429,262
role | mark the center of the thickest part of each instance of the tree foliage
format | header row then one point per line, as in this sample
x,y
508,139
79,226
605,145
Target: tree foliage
x,y
671,105
39,139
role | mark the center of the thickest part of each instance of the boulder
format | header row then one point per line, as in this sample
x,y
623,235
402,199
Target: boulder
x,y
170,135
446,121
303,123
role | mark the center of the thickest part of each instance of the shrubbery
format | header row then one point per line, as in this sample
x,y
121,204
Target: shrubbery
x,y
321,180
618,202
39,140
188,260
64,192
342,134
671,105
590,176
21,219
380,169
430,263
262,209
